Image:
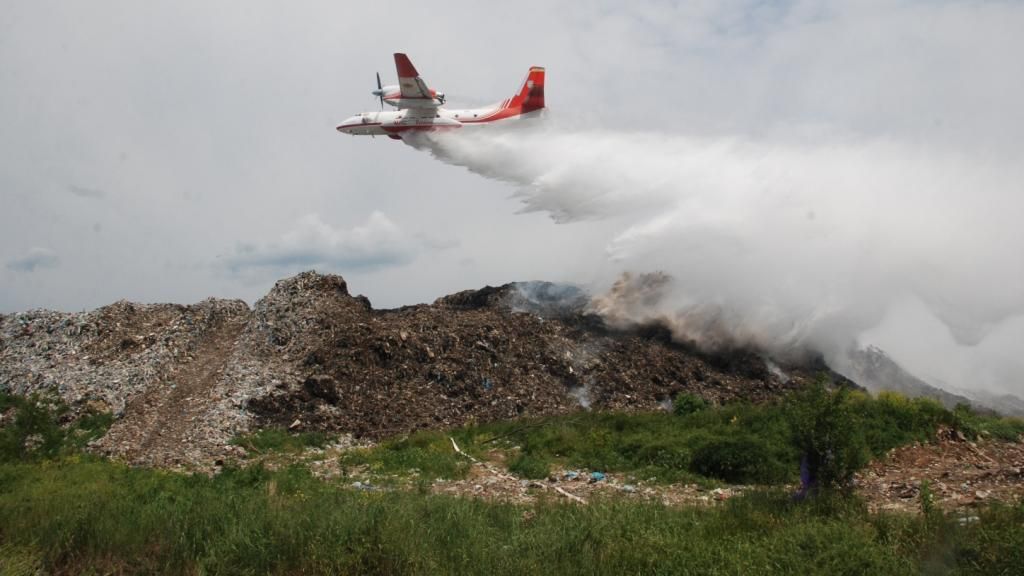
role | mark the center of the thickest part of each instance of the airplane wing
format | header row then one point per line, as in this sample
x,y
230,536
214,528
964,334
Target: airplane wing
x,y
412,87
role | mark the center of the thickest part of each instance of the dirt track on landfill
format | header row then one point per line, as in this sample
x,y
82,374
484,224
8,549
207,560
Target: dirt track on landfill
x,y
159,426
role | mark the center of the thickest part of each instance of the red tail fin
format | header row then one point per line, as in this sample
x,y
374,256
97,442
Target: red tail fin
x,y
531,95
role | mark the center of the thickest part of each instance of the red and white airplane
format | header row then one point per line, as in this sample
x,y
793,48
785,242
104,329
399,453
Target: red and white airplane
x,y
420,108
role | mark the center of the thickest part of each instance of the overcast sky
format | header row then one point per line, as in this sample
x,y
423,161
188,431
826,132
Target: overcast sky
x,y
170,151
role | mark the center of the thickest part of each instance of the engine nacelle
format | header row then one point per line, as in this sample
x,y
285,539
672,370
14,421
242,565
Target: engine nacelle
x,y
393,96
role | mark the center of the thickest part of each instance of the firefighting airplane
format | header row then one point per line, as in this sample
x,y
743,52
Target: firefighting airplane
x,y
420,108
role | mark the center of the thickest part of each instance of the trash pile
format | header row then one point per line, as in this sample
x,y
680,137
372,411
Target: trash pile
x,y
578,487
471,357
184,380
106,356
958,473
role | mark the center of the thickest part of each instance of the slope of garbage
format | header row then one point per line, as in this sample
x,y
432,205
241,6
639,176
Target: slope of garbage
x,y
183,380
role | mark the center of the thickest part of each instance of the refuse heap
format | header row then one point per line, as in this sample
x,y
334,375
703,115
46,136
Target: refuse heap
x,y
183,380
958,473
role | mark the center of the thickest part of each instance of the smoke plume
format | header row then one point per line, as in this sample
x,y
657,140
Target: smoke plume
x,y
786,246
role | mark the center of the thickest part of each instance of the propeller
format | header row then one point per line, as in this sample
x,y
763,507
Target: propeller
x,y
379,92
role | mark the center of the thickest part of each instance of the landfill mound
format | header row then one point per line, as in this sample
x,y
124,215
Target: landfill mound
x,y
471,356
184,380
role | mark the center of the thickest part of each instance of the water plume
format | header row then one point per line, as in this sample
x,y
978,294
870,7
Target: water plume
x,y
788,246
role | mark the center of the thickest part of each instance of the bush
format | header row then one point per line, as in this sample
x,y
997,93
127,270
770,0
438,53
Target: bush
x,y
828,435
40,428
739,458
892,419
686,403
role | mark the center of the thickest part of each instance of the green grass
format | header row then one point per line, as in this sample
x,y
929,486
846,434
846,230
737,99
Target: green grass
x,y
978,425
278,440
90,516
429,454
63,512
529,466
668,447
737,443
740,442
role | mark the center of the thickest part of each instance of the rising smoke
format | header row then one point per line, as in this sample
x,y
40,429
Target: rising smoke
x,y
789,247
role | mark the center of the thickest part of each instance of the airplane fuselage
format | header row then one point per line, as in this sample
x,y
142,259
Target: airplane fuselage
x,y
393,123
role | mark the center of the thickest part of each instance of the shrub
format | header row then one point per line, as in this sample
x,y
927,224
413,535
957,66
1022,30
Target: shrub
x,y
34,430
40,428
828,435
686,403
740,458
664,454
892,419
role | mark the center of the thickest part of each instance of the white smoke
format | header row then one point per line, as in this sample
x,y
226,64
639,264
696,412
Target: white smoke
x,y
786,246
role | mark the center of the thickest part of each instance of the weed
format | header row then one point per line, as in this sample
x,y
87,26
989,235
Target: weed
x,y
429,454
529,466
280,440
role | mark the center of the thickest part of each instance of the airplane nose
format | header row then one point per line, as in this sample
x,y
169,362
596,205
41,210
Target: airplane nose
x,y
347,124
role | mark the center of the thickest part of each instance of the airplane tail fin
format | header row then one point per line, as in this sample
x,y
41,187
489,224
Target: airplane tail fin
x,y
531,95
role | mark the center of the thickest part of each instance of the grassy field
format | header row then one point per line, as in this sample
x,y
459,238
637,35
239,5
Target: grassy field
x,y
737,443
65,512
85,516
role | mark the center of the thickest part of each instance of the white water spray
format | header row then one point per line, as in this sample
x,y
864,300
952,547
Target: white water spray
x,y
783,246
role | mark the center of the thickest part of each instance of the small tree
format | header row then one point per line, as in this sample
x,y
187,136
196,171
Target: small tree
x,y
828,435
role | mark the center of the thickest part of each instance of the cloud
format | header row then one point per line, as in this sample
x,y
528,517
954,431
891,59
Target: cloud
x,y
35,259
82,192
312,243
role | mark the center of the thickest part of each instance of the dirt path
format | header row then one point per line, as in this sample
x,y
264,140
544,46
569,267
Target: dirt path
x,y
166,425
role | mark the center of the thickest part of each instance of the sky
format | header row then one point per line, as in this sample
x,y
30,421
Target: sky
x,y
172,151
